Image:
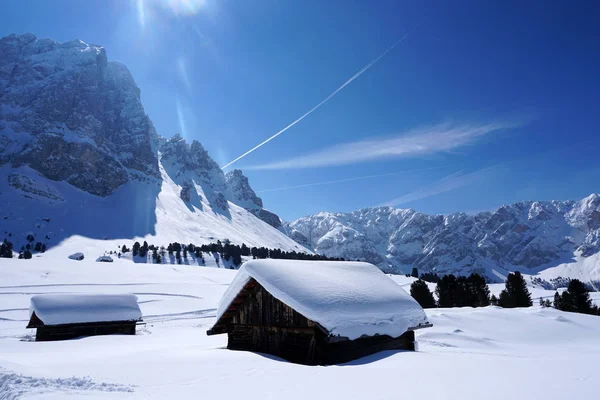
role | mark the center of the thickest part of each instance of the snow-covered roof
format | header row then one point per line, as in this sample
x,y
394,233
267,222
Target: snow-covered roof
x,y
76,256
349,299
58,309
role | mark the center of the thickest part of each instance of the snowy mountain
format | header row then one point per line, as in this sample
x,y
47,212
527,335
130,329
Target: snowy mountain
x,y
79,156
529,236
240,192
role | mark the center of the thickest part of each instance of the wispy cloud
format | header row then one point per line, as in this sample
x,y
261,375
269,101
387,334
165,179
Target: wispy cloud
x,y
357,178
451,182
426,140
336,91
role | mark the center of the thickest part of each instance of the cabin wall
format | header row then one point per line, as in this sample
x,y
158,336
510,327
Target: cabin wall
x,y
344,351
261,308
71,331
302,346
261,323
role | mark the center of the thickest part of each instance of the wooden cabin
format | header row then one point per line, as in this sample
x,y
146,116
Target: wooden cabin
x,y
317,312
61,316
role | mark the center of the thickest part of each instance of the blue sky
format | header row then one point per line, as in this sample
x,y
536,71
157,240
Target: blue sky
x,y
482,104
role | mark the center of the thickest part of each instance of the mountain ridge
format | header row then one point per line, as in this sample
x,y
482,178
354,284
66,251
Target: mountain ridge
x,y
528,235
72,119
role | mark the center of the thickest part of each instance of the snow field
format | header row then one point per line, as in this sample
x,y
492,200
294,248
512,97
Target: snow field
x,y
469,353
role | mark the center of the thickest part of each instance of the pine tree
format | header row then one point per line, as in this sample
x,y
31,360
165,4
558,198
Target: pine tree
x,y
557,301
245,250
515,293
414,273
494,300
445,290
421,293
136,248
6,249
480,291
575,299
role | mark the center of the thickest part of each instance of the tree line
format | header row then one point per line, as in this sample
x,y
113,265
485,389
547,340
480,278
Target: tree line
x,y
225,250
26,252
473,291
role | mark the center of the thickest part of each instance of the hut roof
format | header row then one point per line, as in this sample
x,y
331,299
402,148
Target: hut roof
x,y
59,309
349,299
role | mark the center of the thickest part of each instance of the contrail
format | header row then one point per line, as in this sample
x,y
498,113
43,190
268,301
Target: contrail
x,y
346,180
356,75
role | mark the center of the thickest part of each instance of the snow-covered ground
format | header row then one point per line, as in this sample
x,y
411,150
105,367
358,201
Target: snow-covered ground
x,y
487,353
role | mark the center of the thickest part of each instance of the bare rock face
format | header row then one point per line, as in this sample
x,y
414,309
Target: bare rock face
x,y
240,190
186,191
72,115
241,193
523,236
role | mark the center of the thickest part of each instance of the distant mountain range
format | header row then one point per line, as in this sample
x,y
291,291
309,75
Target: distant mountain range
x,y
530,236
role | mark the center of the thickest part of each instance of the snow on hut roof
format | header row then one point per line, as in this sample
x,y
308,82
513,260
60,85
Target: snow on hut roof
x,y
349,299
58,309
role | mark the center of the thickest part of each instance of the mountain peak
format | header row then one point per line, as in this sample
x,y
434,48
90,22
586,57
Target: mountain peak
x,y
240,190
73,115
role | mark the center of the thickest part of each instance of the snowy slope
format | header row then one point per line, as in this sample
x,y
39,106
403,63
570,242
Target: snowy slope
x,y
469,353
136,211
530,236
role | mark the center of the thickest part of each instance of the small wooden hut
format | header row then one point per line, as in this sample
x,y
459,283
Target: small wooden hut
x,y
65,316
317,312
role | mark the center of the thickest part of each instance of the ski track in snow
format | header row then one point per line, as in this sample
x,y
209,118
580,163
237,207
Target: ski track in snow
x,y
13,386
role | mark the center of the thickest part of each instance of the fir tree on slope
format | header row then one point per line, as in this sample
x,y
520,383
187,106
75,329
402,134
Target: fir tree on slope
x,y
494,300
515,293
575,299
421,293
445,290
463,291
479,291
6,249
